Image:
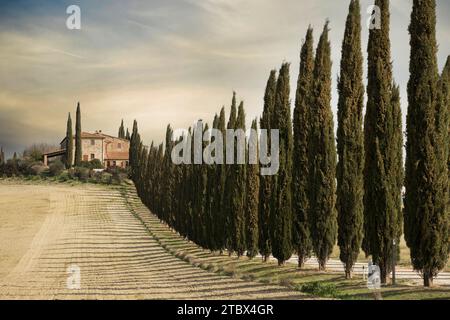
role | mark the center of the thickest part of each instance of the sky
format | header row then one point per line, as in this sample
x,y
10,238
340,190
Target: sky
x,y
164,61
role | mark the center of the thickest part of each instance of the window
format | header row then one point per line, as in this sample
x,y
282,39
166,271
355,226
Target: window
x,y
126,163
109,164
92,156
92,142
119,145
114,163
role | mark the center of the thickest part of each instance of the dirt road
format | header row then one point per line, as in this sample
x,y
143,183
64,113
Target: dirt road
x,y
49,232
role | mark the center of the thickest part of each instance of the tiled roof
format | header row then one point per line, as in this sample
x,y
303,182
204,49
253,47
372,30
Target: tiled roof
x,y
87,135
95,135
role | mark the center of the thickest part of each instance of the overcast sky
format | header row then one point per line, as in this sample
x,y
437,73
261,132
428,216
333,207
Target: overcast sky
x,y
162,61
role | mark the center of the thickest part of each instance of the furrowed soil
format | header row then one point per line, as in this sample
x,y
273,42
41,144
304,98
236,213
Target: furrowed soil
x,y
48,230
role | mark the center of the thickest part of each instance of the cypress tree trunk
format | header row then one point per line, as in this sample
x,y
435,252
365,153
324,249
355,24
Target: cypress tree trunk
x,y
300,192
78,151
350,146
282,196
69,144
426,201
322,157
252,193
383,171
266,182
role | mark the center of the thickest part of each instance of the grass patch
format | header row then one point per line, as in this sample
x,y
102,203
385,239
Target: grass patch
x,y
319,289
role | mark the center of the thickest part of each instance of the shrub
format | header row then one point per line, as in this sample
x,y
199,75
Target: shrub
x,y
64,176
106,177
56,168
95,164
82,173
319,289
37,168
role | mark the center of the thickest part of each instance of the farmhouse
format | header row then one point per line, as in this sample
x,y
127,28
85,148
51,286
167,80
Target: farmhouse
x,y
111,151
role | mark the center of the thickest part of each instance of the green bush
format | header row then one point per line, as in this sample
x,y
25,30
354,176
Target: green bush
x,y
95,164
64,176
319,289
82,173
56,168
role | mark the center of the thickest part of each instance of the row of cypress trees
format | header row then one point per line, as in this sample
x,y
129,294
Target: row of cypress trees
x,y
323,192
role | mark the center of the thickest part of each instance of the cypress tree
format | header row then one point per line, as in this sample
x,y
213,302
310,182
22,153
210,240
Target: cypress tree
x,y
127,136
252,194
266,182
238,178
168,176
227,199
210,197
322,201
282,197
204,213
426,200
301,234
350,141
219,197
69,144
445,87
121,131
134,143
78,151
2,156
383,153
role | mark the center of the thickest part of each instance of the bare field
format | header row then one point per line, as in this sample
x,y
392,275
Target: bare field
x,y
44,229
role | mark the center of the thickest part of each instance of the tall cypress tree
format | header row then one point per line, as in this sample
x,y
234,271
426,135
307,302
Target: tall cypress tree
x,y
227,199
383,170
133,151
127,136
210,203
322,201
78,151
445,87
238,178
220,212
168,172
282,197
266,182
301,234
350,141
252,196
426,200
69,143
